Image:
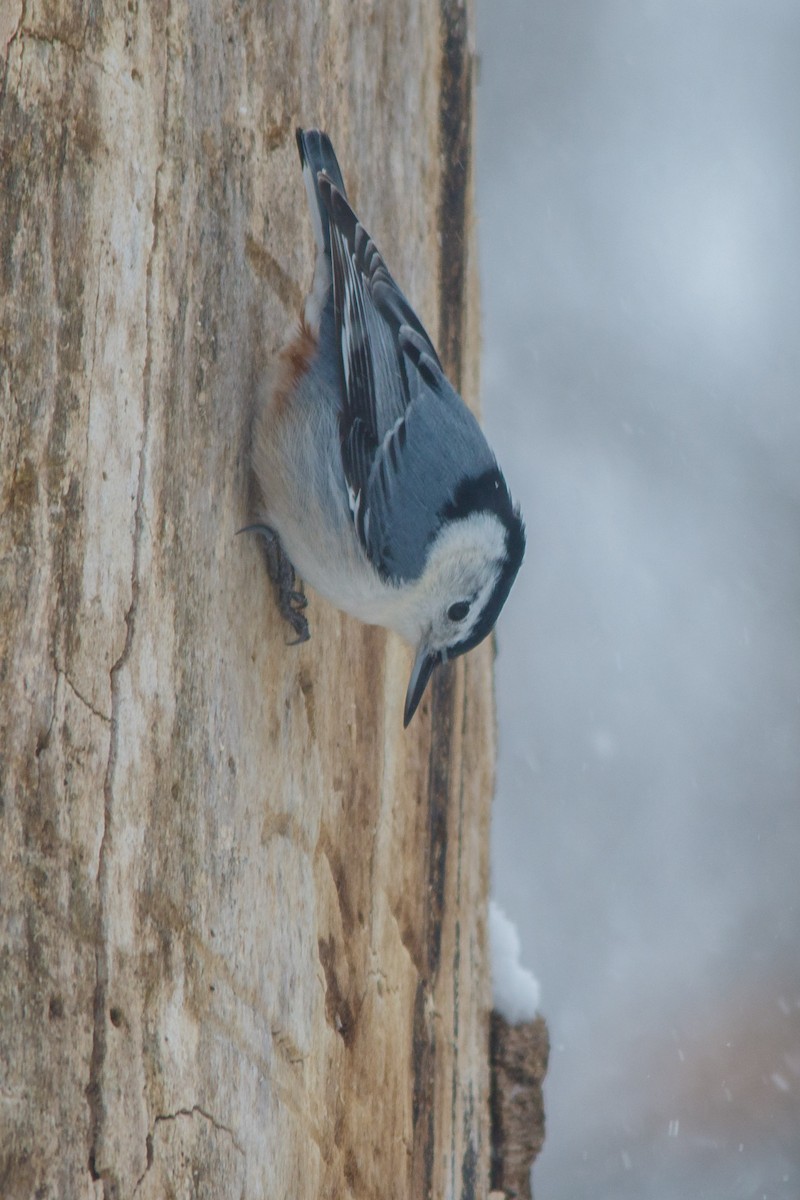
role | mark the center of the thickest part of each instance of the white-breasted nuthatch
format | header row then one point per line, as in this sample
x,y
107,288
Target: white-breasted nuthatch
x,y
376,483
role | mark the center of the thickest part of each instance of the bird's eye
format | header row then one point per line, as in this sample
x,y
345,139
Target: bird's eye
x,y
457,611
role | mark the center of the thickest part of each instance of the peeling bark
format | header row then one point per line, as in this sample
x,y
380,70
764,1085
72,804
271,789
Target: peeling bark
x,y
518,1055
242,933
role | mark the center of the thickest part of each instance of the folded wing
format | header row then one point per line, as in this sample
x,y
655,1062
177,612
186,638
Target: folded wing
x,y
407,439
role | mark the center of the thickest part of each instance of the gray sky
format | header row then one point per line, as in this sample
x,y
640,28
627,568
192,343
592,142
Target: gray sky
x,y
639,208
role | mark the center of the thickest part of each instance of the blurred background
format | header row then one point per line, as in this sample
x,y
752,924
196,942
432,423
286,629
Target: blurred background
x,y
638,180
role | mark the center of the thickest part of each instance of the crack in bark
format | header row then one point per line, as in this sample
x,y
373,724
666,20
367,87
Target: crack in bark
x,y
94,1088
90,386
11,491
455,124
17,32
16,36
105,717
56,41
198,1110
189,1114
53,40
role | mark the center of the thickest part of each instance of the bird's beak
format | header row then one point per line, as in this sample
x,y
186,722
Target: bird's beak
x,y
424,663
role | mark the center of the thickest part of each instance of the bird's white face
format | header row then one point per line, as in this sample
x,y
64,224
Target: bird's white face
x,y
459,578
443,607
449,602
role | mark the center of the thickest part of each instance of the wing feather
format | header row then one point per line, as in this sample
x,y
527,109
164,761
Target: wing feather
x,y
406,436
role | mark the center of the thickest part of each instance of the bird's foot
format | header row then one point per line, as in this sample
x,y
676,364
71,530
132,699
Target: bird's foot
x,y
291,601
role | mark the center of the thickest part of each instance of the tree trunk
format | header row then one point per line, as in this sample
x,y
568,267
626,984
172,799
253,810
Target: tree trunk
x,y
242,939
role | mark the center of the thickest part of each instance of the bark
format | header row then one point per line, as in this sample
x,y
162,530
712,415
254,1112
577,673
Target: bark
x,y
242,928
518,1055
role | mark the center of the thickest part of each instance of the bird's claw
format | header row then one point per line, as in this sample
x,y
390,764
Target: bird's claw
x,y
290,605
291,601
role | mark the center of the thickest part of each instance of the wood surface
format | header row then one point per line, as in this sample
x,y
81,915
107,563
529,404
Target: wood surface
x,y
242,912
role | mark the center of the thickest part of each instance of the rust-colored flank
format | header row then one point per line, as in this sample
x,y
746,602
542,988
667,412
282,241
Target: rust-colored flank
x,y
294,361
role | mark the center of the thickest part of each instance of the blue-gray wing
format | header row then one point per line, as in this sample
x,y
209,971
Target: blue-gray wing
x,y
407,438
416,474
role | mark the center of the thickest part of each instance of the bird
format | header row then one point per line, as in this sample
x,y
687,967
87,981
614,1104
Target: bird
x,y
375,482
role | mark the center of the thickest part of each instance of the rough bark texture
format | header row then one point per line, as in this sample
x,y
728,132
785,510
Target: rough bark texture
x,y
242,937
518,1056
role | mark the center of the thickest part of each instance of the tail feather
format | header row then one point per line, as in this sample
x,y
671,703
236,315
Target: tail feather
x,y
317,155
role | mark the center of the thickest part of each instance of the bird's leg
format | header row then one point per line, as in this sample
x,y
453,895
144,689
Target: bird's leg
x,y
291,601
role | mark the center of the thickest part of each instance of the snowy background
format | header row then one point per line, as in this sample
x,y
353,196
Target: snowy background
x,y
639,206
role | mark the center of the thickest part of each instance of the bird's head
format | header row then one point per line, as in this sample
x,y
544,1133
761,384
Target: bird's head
x,y
472,563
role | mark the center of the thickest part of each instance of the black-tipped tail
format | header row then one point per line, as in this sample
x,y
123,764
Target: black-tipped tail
x,y
316,150
317,157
